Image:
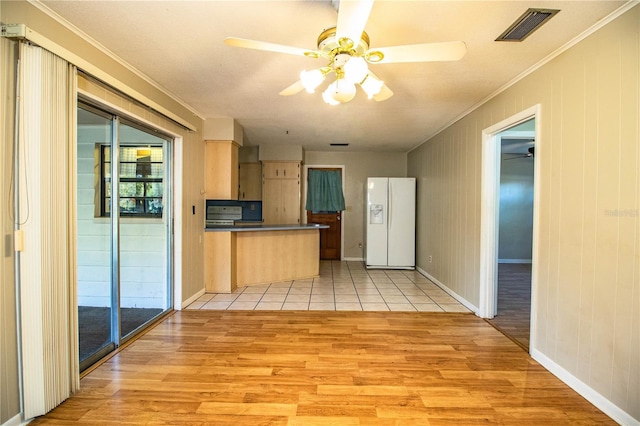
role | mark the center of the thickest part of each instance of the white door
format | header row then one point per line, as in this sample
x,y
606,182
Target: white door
x,y
401,218
376,221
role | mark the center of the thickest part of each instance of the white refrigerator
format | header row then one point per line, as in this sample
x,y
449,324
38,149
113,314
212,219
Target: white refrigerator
x,y
390,221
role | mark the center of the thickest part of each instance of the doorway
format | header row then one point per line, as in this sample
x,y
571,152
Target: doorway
x,y
508,225
124,247
330,238
515,232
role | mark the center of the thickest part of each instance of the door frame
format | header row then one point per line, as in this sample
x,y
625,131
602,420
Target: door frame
x,y
489,215
303,215
177,167
173,144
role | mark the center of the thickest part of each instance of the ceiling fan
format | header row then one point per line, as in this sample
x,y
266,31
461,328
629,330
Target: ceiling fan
x,y
346,48
530,154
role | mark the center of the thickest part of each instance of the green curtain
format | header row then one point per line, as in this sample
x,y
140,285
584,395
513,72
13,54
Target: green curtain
x,y
324,192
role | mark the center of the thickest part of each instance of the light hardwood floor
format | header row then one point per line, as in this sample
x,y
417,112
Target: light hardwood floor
x,y
322,368
514,302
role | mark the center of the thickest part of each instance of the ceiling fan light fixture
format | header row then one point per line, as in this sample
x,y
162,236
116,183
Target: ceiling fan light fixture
x,y
374,56
326,96
356,69
340,91
371,86
311,79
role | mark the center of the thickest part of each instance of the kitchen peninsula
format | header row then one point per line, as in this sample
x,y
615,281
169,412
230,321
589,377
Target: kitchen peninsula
x,y
247,255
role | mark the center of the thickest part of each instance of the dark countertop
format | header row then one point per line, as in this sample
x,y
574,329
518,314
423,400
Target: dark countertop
x,y
260,227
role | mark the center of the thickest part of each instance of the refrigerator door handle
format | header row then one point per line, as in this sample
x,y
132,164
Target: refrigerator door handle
x,y
389,205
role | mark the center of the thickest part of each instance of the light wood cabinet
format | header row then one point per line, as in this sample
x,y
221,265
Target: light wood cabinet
x,y
281,192
220,262
237,259
221,170
250,181
281,170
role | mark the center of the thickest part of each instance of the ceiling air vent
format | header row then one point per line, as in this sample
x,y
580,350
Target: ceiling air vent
x,y
338,144
530,21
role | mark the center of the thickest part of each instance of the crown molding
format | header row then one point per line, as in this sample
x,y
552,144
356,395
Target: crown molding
x,y
591,30
77,31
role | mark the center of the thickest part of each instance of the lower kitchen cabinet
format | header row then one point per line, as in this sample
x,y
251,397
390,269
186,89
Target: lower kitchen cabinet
x,y
260,254
220,262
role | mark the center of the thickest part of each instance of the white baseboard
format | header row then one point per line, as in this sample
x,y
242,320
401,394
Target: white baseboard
x,y
15,421
190,300
353,259
602,403
451,293
514,260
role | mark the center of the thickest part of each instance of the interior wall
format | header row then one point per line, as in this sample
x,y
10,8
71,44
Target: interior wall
x,y
586,276
248,154
281,153
10,402
358,167
516,210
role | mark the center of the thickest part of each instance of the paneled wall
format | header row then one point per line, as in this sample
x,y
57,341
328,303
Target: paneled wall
x,y
586,279
447,172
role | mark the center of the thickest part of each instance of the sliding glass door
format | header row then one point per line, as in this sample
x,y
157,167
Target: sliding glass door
x,y
124,236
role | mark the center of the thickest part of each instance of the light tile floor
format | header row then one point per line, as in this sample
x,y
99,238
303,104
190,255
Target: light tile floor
x,y
342,286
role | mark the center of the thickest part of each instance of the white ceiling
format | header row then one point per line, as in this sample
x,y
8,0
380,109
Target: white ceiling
x,y
179,45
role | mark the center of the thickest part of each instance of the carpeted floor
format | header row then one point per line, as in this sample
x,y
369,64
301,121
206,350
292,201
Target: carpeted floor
x,y
94,325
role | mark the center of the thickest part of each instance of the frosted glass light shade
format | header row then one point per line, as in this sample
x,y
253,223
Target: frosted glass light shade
x,y
311,80
342,90
371,86
326,95
355,70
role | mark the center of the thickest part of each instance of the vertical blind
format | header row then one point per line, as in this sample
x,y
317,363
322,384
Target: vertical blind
x,y
45,184
324,192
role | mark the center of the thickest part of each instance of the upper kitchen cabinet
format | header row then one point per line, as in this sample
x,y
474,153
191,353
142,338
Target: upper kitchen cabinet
x,y
221,170
281,170
250,177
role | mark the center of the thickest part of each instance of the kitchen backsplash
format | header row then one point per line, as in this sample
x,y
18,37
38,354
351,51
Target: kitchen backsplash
x,y
251,210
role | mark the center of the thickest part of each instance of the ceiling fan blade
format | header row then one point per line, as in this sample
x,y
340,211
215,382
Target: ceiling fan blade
x,y
352,18
425,52
271,47
293,89
385,93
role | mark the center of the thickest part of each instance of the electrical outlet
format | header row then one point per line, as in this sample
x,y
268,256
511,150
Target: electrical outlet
x,y
430,259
